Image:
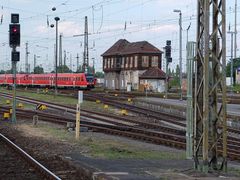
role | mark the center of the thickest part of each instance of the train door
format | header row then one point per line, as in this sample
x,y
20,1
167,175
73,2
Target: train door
x,y
51,81
74,81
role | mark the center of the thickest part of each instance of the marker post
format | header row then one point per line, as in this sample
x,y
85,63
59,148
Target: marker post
x,y
80,100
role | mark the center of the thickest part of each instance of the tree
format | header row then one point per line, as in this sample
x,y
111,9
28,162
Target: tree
x,y
79,69
38,70
174,82
177,71
2,72
236,64
64,69
9,71
99,75
91,70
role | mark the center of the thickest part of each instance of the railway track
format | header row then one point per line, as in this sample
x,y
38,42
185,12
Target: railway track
x,y
116,118
162,139
17,164
160,116
174,138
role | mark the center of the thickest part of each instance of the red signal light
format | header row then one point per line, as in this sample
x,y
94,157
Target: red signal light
x,y
14,29
14,34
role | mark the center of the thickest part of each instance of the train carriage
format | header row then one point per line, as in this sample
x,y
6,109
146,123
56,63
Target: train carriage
x,y
64,80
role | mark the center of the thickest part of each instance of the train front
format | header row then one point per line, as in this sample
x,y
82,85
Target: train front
x,y
91,81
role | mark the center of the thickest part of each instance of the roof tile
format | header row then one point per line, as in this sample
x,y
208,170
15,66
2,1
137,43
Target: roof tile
x,y
153,73
123,47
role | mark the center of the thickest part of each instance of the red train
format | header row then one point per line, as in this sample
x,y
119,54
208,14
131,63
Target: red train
x,y
78,80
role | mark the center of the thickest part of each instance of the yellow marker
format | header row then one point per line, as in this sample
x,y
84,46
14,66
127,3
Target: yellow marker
x,y
98,101
20,105
105,106
41,107
7,101
129,99
10,111
6,115
124,112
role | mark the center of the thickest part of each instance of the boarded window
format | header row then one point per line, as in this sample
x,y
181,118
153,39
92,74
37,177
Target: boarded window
x,y
131,62
145,61
112,62
123,61
154,61
135,61
127,62
109,61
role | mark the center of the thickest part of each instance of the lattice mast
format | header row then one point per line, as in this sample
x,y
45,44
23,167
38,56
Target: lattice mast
x,y
85,53
210,138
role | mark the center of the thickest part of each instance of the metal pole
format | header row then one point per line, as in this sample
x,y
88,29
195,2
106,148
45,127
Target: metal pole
x,y
65,57
166,85
235,31
26,60
60,52
14,64
231,32
56,54
231,61
34,63
77,61
86,58
190,67
180,54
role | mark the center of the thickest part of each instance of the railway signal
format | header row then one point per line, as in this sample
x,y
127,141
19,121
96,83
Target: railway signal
x,y
14,42
14,35
168,51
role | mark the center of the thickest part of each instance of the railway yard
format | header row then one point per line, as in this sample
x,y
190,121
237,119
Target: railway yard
x,y
122,136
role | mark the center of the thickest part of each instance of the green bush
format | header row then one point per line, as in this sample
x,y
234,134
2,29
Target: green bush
x,y
236,88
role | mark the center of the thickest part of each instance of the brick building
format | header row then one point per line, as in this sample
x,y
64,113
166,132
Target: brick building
x,y
125,62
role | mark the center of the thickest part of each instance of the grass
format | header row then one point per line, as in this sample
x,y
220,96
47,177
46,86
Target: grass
x,y
4,100
107,148
114,150
61,99
64,100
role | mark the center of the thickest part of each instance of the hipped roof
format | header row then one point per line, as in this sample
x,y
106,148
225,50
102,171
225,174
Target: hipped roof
x,y
123,47
153,73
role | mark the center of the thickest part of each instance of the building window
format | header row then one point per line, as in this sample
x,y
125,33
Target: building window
x,y
154,61
109,61
105,63
123,61
145,61
112,62
131,62
136,61
127,62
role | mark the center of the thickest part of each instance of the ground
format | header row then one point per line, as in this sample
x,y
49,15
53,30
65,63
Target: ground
x,y
119,157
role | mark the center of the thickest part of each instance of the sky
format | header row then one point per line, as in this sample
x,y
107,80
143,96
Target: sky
x,y
108,21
